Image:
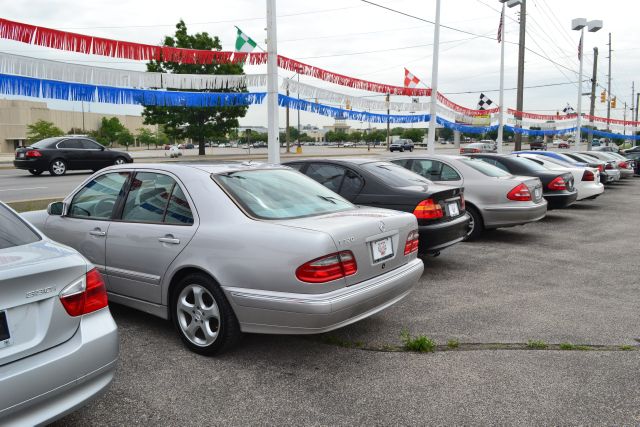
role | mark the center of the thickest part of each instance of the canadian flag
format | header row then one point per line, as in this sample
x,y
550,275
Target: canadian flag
x,y
410,80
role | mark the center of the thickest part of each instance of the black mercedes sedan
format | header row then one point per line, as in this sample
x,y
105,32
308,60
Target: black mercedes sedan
x,y
60,154
440,210
557,187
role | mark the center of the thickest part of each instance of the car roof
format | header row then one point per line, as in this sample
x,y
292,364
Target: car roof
x,y
352,160
216,167
430,156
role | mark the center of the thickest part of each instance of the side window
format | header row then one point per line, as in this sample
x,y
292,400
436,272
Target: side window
x,y
70,143
98,198
296,166
178,211
351,185
449,174
495,163
328,175
429,169
89,145
148,197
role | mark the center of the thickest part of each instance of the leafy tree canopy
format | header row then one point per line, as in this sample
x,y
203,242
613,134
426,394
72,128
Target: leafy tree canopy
x,y
41,130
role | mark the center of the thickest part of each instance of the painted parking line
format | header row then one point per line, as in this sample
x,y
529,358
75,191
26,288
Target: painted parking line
x,y
23,188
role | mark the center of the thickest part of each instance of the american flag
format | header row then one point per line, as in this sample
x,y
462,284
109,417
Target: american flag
x,y
580,47
500,26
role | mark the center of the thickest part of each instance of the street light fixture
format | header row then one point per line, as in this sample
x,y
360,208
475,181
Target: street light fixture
x,y
578,24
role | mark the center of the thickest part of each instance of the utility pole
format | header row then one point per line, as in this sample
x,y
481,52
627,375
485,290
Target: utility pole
x,y
82,102
592,108
299,147
431,137
272,84
633,94
388,130
609,87
624,119
287,133
521,50
637,105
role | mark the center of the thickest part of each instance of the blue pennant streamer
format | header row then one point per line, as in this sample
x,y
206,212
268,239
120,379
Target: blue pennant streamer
x,y
52,89
611,135
532,132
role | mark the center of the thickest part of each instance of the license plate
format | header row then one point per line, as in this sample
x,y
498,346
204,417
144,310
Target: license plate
x,y
537,193
453,209
382,249
4,330
20,155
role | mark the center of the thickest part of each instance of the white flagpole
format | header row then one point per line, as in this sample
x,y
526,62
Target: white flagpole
x,y
501,112
579,119
273,146
431,139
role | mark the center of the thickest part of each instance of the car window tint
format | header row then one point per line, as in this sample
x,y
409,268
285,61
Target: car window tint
x,y
45,143
429,169
485,168
280,194
352,184
148,197
528,164
296,166
89,145
449,174
97,199
401,162
495,163
326,174
13,231
394,175
70,144
178,211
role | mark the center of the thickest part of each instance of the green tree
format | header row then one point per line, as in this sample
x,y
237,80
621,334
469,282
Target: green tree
x,y
355,136
414,135
125,138
41,130
76,131
109,131
146,137
446,134
397,131
199,124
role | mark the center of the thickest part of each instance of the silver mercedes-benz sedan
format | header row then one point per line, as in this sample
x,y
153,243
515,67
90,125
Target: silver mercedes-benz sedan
x,y
236,247
493,197
58,341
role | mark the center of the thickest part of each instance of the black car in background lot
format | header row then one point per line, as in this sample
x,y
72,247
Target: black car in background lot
x,y
401,145
60,154
442,219
537,145
557,187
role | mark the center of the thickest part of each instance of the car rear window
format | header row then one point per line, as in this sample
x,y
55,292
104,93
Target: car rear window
x,y
529,164
45,143
13,230
394,175
485,168
280,194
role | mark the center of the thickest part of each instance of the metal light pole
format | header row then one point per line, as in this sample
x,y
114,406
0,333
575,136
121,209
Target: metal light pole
x,y
521,51
299,147
578,24
272,84
592,105
431,138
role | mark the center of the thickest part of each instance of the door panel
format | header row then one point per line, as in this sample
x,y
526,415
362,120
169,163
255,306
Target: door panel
x,y
84,235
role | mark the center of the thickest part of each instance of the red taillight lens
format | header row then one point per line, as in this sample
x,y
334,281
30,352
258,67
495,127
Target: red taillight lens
x,y
609,166
520,193
85,296
328,268
601,168
462,151
412,242
558,184
588,176
428,209
33,153
476,150
623,165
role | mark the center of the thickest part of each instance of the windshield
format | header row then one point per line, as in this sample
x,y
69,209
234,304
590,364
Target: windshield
x,y
485,168
13,231
45,143
394,175
280,194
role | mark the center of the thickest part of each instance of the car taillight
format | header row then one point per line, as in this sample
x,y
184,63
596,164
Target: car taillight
x,y
601,168
476,150
412,242
85,296
328,268
588,176
33,153
520,193
623,165
462,151
428,209
557,184
609,166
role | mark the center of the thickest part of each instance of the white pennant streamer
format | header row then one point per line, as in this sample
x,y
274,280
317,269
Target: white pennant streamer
x,y
63,71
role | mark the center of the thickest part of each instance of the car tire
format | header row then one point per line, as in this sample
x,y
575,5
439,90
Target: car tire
x,y
411,150
402,149
206,324
58,167
35,172
119,161
476,224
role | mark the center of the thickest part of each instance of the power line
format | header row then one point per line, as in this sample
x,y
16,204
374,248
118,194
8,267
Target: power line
x,y
514,88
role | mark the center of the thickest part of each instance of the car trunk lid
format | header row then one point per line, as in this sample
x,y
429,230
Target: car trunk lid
x,y
33,319
376,237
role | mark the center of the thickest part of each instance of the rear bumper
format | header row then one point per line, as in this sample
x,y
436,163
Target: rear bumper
x,y
46,386
286,313
561,200
626,173
592,190
435,237
612,175
509,215
35,163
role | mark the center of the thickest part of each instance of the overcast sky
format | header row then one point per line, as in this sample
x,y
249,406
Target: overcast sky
x,y
353,38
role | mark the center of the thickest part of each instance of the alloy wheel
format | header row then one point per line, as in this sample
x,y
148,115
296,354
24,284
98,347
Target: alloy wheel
x,y
198,315
119,161
58,167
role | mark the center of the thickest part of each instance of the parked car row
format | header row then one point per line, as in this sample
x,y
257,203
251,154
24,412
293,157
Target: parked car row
x,y
329,242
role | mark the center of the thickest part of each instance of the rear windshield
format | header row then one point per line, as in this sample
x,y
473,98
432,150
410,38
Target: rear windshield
x,y
394,175
45,143
529,164
13,231
557,162
485,168
280,194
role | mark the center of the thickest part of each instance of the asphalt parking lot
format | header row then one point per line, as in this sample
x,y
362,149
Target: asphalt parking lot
x,y
570,278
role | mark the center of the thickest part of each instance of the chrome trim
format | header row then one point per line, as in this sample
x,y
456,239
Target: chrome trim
x,y
135,275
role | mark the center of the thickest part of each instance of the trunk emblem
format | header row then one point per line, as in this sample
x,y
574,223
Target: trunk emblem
x,y
382,226
42,291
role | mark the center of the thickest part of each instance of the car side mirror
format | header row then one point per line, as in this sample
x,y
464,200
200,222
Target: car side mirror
x,y
56,208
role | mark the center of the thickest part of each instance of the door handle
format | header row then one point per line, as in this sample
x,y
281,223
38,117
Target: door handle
x,y
98,232
170,240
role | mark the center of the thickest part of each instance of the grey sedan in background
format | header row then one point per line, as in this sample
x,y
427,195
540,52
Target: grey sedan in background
x,y
622,164
493,198
58,341
236,247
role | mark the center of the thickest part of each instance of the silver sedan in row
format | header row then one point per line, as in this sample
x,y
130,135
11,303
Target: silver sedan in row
x,y
228,248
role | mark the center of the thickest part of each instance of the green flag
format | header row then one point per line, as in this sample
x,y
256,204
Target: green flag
x,y
244,43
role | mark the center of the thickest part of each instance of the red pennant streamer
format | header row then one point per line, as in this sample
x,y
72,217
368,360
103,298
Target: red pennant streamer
x,y
524,114
17,31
